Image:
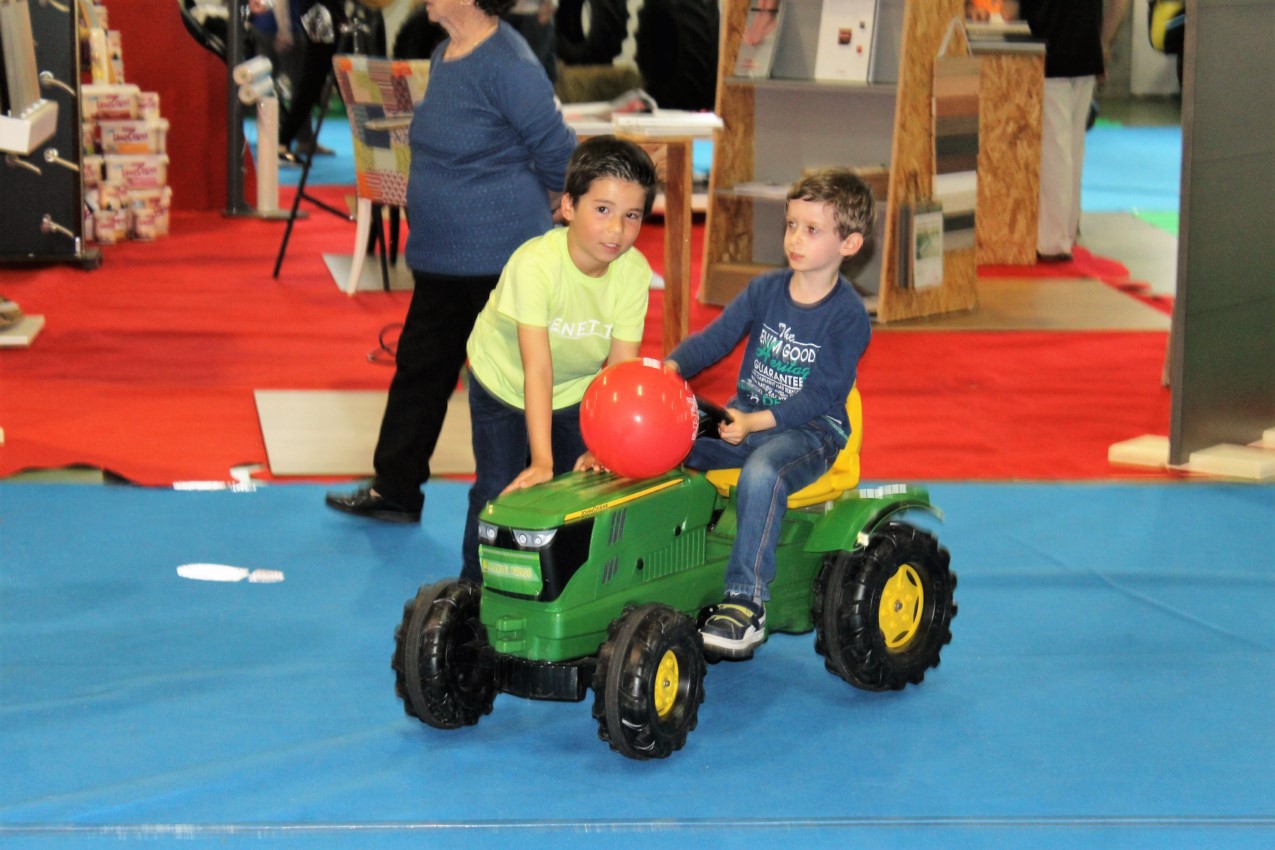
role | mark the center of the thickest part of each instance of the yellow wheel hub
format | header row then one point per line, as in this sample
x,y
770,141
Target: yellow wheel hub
x,y
666,684
902,602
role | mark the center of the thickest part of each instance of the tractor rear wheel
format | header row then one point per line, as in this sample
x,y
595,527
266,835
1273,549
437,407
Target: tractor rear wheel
x,y
649,682
883,612
436,648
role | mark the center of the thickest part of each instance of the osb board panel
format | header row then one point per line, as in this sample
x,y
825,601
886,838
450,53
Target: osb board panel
x,y
729,221
733,160
958,291
734,17
911,164
725,280
730,231
1009,118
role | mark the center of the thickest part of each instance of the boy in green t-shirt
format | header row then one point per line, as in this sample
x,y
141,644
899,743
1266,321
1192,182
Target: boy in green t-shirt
x,y
567,304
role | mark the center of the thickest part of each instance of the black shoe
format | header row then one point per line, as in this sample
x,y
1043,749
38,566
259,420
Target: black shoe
x,y
734,627
363,502
319,150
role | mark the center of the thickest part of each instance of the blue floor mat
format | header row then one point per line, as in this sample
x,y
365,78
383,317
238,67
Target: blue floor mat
x,y
1110,683
1127,169
338,169
1132,169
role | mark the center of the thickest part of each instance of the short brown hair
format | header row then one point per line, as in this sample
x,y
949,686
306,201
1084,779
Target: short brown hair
x,y
850,198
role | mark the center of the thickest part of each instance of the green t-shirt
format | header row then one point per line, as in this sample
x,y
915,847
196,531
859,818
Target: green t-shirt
x,y
541,287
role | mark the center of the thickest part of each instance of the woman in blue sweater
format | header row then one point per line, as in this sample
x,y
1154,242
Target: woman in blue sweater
x,y
806,329
489,158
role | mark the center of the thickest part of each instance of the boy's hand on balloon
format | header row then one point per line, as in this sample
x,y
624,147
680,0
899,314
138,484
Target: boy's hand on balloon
x,y
529,477
588,463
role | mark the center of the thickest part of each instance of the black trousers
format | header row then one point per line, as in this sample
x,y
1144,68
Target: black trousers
x,y
431,352
313,71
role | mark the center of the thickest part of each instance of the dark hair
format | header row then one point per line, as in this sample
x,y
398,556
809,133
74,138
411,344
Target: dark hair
x,y
495,8
850,198
608,156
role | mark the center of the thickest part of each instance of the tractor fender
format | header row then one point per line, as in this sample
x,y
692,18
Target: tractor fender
x,y
849,517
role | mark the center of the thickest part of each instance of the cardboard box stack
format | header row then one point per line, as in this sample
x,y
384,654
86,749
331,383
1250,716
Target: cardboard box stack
x,y
125,160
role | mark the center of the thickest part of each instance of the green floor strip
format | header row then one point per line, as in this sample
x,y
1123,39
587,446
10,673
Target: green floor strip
x,y
1166,221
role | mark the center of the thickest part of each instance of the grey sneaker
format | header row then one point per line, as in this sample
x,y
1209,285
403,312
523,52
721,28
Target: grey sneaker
x,y
734,627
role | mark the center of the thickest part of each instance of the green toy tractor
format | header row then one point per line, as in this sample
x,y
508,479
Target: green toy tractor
x,y
596,582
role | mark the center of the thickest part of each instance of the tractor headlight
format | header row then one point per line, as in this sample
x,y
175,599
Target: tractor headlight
x,y
534,539
559,552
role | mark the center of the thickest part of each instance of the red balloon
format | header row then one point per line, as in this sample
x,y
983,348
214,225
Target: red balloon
x,y
638,419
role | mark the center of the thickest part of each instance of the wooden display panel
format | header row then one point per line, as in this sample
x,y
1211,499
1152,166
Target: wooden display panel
x,y
1012,90
729,222
729,240
912,166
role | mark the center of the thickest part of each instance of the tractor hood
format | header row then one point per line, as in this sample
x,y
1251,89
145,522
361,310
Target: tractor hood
x,y
580,495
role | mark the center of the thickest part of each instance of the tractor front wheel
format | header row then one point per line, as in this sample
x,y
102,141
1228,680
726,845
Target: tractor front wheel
x,y
649,682
883,612
436,649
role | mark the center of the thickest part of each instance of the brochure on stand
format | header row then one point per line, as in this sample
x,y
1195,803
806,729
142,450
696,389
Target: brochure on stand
x,y
844,51
927,247
761,35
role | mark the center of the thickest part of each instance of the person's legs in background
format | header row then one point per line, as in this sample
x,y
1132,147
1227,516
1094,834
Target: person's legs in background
x,y
534,22
1066,108
431,351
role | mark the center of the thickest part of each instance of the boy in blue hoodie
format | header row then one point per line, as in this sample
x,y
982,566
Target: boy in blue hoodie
x,y
806,329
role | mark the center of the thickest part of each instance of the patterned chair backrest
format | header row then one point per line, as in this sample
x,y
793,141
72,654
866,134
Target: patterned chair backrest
x,y
374,89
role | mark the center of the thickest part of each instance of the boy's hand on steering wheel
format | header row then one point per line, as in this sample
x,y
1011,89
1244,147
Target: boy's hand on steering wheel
x,y
735,427
742,424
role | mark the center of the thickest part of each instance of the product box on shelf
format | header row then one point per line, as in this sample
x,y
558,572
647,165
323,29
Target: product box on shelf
x,y
137,171
110,226
91,170
133,137
109,102
148,105
150,208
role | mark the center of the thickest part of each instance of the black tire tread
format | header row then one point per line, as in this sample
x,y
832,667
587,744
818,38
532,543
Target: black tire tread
x,y
423,676
847,595
622,693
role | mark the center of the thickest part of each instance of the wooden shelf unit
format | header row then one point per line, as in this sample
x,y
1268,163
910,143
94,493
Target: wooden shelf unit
x,y
775,128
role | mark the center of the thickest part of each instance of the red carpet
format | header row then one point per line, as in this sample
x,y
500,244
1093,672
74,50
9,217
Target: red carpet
x,y
147,366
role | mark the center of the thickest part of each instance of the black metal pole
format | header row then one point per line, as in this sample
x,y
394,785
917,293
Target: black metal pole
x,y
235,204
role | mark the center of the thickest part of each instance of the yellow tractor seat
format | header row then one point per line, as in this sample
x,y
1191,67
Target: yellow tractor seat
x,y
841,476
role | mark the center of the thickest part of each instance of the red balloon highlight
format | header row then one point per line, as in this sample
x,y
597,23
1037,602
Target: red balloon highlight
x,y
638,419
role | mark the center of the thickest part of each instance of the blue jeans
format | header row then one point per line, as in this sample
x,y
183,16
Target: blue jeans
x,y
501,451
773,464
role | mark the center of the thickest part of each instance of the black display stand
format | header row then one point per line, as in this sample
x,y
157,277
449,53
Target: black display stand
x,y
351,38
42,214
